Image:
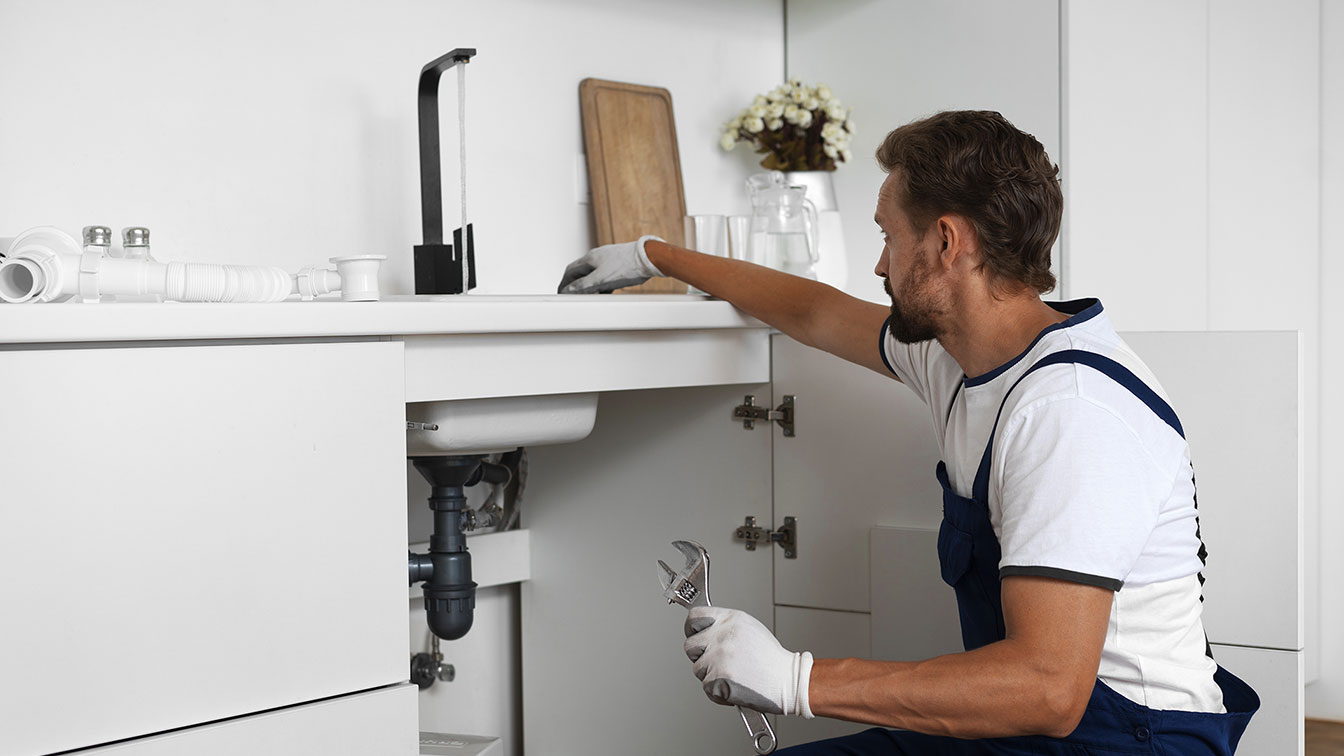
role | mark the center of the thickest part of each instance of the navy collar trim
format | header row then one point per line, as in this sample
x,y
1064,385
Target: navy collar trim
x,y
1078,310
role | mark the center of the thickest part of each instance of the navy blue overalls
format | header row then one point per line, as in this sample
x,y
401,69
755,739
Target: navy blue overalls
x,y
968,553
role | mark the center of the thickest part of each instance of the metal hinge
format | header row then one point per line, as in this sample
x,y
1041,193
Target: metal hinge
x,y
748,412
786,536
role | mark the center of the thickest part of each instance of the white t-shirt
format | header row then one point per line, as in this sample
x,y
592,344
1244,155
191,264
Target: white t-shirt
x,y
1086,484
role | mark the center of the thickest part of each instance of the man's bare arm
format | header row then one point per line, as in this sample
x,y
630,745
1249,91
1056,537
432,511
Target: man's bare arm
x,y
1037,681
813,313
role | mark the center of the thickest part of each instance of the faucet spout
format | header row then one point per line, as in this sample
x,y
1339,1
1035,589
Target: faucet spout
x,y
439,268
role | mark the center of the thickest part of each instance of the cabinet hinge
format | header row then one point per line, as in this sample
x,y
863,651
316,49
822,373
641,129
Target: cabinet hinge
x,y
748,412
786,536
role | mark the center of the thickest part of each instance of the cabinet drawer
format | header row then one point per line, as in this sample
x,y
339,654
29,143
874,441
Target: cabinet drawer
x,y
377,723
196,533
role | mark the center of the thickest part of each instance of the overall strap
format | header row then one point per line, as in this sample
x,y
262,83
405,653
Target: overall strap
x,y
1112,369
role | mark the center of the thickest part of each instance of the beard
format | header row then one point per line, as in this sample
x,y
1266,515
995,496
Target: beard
x,y
912,319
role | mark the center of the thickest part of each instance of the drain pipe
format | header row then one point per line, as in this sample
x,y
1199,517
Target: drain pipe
x,y
450,593
46,264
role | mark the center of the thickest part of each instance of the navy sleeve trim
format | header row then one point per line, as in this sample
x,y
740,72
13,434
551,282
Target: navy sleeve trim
x,y
882,345
1073,577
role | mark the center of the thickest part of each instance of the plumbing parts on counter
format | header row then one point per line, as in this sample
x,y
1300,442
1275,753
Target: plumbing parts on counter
x,y
45,264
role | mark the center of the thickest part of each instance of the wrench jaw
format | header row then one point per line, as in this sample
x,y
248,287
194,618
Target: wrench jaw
x,y
690,586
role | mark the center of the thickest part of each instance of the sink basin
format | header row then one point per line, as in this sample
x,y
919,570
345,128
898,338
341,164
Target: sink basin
x,y
486,426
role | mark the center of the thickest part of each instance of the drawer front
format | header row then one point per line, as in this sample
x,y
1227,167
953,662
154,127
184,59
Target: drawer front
x,y
377,723
196,533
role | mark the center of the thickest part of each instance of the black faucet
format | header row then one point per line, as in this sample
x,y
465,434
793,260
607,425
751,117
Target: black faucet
x,y
439,268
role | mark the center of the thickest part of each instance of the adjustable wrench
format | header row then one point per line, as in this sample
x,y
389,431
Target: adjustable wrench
x,y
690,587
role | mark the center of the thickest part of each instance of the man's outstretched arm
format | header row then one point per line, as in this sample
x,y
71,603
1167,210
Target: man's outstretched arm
x,y
813,313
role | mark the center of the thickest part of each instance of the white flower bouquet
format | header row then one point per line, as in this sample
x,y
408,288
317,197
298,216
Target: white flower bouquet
x,y
796,127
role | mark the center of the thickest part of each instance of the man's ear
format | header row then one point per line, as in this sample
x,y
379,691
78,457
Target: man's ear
x,y
955,239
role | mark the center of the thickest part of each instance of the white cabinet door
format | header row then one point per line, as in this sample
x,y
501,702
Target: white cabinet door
x,y
828,635
377,723
603,667
863,454
192,533
905,574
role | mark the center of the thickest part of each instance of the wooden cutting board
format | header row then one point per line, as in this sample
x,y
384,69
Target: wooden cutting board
x,y
634,169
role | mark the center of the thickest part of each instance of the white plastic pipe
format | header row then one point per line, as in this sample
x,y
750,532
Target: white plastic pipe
x,y
46,264
356,278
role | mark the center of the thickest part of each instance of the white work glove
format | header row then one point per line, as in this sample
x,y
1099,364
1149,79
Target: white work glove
x,y
610,267
741,663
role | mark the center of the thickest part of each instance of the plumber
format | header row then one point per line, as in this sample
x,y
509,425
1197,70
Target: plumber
x,y
1070,532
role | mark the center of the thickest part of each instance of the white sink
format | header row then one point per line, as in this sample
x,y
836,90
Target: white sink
x,y
486,426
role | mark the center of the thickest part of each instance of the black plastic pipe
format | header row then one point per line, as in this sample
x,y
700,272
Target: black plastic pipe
x,y
450,593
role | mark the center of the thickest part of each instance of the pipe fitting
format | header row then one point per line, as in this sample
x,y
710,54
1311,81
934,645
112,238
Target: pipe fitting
x,y
450,593
36,265
355,277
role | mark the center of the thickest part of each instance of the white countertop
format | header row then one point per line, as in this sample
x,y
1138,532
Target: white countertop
x,y
395,316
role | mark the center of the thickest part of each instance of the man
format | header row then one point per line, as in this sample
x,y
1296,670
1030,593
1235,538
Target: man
x,y
1070,532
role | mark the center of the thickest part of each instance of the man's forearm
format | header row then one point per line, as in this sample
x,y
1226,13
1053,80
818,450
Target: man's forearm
x,y
786,302
993,691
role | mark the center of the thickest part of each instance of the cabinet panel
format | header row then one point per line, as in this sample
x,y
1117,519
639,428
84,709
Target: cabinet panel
x,y
864,454
828,635
471,366
603,666
235,511
377,723
905,574
1237,396
1276,730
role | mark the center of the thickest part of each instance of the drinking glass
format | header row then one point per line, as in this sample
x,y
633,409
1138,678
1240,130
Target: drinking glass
x,y
707,234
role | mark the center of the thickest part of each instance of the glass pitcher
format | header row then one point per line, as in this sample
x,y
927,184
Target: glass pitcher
x,y
783,231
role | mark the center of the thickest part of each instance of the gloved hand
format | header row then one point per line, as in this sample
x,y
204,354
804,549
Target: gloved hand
x,y
609,267
741,663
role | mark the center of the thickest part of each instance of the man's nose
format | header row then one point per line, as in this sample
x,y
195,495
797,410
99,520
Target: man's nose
x,y
880,269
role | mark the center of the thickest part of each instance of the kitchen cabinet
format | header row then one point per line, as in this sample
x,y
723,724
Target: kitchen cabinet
x,y
196,532
208,508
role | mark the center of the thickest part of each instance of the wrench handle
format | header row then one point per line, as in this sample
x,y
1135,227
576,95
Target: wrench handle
x,y
763,735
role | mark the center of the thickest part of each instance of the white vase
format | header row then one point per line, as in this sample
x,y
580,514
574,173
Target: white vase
x,y
832,263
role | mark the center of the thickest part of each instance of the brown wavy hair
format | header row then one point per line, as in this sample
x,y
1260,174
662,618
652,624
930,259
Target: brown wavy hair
x,y
976,164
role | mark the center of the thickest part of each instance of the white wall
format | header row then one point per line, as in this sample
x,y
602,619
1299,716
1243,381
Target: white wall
x,y
284,132
1325,698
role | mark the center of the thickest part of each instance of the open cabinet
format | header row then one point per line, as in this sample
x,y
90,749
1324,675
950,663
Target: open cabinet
x,y
603,670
